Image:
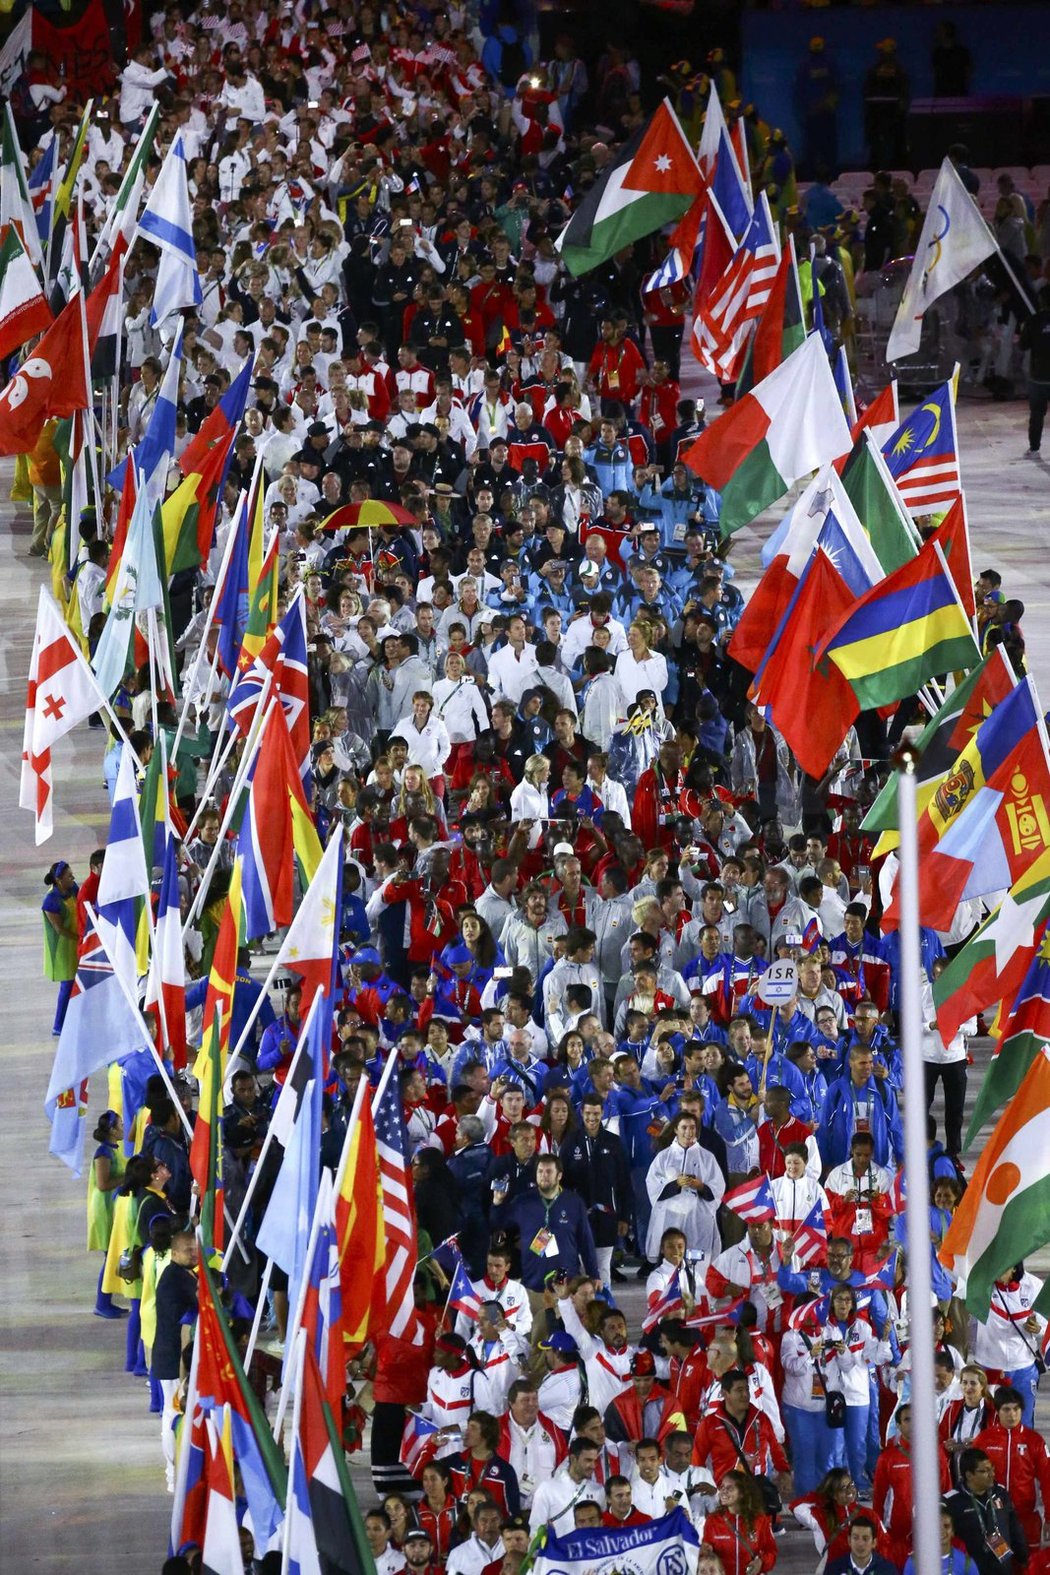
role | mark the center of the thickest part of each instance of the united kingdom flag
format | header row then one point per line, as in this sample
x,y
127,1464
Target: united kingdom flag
x,y
279,672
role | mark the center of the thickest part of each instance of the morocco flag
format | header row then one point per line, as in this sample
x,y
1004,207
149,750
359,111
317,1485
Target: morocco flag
x,y
651,182
1005,1213
788,425
23,308
52,382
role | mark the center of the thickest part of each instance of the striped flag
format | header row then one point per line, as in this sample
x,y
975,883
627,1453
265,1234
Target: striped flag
x,y
360,1231
122,213
277,826
419,1443
167,223
166,989
665,1303
398,1220
743,291
752,1201
16,206
284,657
923,455
323,1304
24,311
124,884
462,1296
221,1551
324,1531
811,1238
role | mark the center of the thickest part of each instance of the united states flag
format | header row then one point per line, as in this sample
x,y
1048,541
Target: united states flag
x,y
738,298
399,1221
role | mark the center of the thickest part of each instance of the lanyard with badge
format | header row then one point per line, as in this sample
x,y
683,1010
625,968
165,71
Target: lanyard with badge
x,y
544,1244
862,1220
994,1540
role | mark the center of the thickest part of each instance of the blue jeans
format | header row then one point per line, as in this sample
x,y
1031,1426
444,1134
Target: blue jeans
x,y
812,1444
851,1444
1024,1380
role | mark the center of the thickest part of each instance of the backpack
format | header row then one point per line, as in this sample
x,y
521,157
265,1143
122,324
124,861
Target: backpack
x,y
512,62
21,100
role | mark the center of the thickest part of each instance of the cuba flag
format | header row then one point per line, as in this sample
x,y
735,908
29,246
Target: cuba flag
x,y
667,1546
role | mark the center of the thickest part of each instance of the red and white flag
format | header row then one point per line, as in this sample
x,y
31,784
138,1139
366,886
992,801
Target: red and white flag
x,y
53,381
61,692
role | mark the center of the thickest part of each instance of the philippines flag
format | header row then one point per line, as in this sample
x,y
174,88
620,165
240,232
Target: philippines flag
x,y
462,1296
811,1238
752,1201
418,1443
665,1303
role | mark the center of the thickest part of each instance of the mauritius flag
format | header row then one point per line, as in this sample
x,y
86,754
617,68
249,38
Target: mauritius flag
x,y
788,425
1005,1212
906,630
650,182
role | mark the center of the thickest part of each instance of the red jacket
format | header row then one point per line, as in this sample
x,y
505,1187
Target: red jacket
x,y
635,1518
1022,1464
892,1496
717,1441
772,1143
624,1416
736,1546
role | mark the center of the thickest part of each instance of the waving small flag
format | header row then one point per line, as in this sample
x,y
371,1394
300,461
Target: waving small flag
x,y
752,1201
664,1303
811,1238
463,1297
418,1443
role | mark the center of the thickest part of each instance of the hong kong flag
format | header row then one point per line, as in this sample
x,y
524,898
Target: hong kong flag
x,y
53,381
62,691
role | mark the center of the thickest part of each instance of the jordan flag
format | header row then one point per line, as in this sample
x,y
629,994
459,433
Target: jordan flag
x,y
650,182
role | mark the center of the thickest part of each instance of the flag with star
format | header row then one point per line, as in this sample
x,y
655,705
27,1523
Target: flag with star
x,y
649,182
943,740
992,965
923,455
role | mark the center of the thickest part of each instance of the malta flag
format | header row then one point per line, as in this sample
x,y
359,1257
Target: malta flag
x,y
36,392
1005,1211
954,241
788,425
651,182
24,311
61,692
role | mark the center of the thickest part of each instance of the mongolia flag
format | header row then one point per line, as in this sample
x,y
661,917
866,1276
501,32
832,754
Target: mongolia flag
x,y
788,425
753,1201
462,1295
277,825
666,1303
998,784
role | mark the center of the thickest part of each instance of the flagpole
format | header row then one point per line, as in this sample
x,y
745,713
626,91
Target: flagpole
x,y
136,1012
90,422
926,1495
267,1141
250,751
291,1333
264,1290
286,1535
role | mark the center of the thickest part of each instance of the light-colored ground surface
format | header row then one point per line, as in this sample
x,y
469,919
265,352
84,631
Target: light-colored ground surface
x,y
80,1469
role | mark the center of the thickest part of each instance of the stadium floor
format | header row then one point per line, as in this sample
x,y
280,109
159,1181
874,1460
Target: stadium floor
x,y
80,1465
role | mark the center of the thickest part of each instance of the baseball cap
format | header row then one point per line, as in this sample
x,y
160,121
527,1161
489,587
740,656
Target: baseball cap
x,y
457,955
365,954
563,847
417,1534
559,1341
643,1365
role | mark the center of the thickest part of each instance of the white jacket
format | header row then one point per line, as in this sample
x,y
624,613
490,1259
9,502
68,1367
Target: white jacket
x,y
1002,1341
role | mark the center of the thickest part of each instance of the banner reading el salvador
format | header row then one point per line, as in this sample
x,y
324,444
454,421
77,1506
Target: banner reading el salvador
x,y
667,1546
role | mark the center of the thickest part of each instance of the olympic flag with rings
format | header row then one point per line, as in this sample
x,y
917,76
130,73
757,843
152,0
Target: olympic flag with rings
x,y
954,240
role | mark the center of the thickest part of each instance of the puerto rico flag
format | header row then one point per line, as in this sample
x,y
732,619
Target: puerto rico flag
x,y
752,1201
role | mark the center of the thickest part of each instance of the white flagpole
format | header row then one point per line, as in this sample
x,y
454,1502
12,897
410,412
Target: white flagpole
x,y
250,750
295,1371
926,1495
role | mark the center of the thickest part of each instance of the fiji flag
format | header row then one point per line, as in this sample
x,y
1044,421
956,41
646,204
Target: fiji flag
x,y
923,455
752,1201
463,1297
811,1238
